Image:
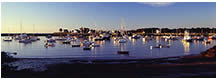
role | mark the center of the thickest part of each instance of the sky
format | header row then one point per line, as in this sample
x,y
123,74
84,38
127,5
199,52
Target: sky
x,y
48,17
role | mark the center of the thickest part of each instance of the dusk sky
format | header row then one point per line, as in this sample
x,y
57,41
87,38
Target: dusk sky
x,y
49,17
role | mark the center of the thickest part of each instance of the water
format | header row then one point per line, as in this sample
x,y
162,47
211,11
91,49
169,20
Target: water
x,y
138,48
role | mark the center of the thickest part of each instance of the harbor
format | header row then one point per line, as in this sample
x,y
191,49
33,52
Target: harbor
x,y
108,40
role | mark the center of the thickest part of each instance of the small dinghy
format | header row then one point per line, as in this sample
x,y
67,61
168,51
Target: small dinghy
x,y
123,52
75,45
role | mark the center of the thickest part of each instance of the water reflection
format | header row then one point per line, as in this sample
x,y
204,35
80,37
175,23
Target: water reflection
x,y
186,47
133,42
140,47
144,40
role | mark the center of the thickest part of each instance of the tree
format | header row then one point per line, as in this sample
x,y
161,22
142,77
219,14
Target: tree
x,y
65,31
60,29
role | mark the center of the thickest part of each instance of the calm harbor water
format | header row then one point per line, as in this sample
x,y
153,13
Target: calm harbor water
x,y
138,48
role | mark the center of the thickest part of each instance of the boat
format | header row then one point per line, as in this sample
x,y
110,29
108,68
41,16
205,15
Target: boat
x,y
25,41
98,39
159,46
123,52
21,36
49,44
50,40
48,36
201,38
33,38
207,41
86,43
66,42
148,38
75,45
61,38
212,37
106,36
86,48
136,36
95,45
187,37
122,40
8,39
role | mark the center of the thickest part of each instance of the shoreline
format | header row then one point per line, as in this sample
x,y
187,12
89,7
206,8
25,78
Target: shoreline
x,y
201,65
161,67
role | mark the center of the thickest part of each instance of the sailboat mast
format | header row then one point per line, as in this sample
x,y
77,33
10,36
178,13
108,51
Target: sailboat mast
x,y
122,25
33,29
21,27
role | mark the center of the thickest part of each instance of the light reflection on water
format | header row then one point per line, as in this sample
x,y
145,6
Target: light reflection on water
x,y
136,47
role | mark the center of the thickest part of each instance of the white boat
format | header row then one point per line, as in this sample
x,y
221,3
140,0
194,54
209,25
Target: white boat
x,y
95,45
187,37
7,39
106,36
122,40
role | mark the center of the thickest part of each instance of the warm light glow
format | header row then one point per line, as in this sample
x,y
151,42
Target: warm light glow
x,y
186,47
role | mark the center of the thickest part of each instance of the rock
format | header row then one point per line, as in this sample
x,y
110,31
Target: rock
x,y
210,53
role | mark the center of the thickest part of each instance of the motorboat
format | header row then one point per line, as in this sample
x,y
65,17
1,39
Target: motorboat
x,y
8,39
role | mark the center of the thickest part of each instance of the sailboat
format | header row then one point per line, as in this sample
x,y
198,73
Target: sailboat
x,y
34,38
23,38
8,38
122,39
187,37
